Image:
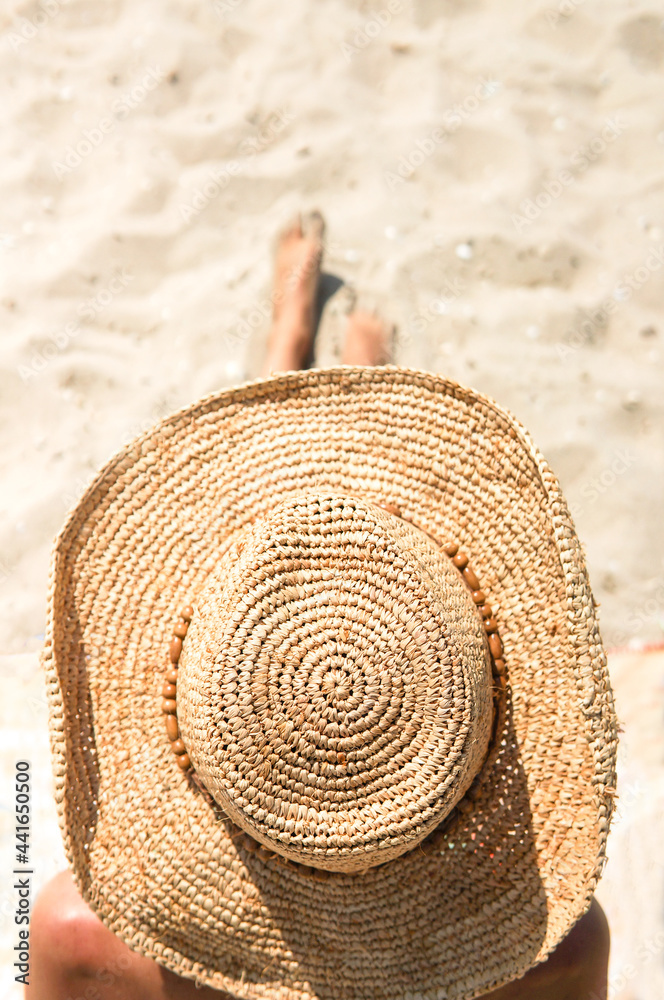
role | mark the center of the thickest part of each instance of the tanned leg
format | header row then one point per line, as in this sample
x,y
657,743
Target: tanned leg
x,y
368,340
577,969
296,279
73,956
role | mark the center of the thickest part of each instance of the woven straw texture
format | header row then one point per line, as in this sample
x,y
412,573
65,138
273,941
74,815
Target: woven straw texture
x,y
261,507
339,662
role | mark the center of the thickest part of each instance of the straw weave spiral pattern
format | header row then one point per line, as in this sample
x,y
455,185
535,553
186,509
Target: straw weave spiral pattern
x,y
340,717
194,512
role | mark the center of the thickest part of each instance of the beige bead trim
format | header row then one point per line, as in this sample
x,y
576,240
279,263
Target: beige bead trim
x,y
435,840
169,689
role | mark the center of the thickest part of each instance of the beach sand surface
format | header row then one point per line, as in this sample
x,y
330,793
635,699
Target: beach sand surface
x,y
492,176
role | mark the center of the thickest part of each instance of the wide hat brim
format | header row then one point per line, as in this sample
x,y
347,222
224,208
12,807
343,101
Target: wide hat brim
x,y
150,852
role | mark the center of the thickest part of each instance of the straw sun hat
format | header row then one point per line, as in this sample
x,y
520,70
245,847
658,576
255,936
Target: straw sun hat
x,y
373,756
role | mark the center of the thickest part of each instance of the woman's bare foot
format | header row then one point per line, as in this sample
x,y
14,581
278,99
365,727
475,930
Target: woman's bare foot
x,y
296,278
368,340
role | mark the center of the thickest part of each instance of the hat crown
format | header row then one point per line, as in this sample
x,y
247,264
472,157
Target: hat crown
x,y
335,685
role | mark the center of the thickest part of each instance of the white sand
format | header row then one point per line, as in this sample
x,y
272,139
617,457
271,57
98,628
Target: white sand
x,y
152,150
632,889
